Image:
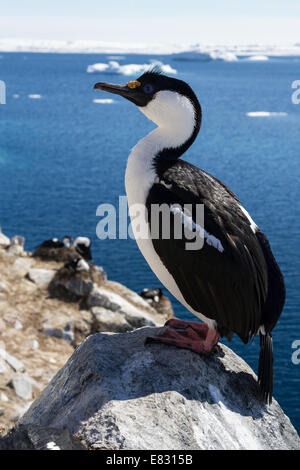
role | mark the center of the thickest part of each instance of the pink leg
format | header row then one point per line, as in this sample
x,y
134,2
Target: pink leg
x,y
188,335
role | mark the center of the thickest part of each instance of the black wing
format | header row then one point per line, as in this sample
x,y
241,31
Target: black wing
x,y
228,286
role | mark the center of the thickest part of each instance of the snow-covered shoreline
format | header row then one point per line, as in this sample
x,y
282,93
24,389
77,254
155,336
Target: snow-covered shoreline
x,y
101,47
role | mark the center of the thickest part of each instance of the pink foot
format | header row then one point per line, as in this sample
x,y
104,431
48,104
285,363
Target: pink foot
x,y
188,335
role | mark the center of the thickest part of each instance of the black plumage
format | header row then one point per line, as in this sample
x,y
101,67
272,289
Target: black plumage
x,y
229,287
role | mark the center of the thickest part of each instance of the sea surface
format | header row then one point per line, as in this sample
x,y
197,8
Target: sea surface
x,y
61,155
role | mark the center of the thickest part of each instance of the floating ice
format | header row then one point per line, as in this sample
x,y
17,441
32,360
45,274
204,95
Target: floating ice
x,y
34,97
116,57
224,55
113,67
16,96
258,57
202,53
103,101
118,48
192,56
265,114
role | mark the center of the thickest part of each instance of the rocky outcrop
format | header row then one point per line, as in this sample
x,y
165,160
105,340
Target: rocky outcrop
x,y
116,393
45,311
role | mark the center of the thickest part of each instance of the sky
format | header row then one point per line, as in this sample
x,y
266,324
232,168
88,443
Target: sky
x,y
154,21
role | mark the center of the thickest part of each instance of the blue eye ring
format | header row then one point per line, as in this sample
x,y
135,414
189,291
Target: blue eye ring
x,y
148,88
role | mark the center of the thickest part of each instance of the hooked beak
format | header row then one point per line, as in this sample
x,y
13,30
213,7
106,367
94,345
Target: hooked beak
x,y
132,94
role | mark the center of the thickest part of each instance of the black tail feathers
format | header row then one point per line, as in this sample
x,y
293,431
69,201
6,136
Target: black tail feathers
x,y
265,367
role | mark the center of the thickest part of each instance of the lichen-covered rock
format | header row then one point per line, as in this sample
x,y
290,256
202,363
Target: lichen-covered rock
x,y
116,393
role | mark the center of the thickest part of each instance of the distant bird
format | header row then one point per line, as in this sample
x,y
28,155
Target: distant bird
x,y
83,247
156,299
67,240
77,265
64,250
153,295
53,249
233,282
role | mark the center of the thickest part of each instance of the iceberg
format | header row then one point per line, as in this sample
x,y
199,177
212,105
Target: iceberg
x,y
224,55
103,101
257,57
265,114
205,54
192,56
113,67
34,97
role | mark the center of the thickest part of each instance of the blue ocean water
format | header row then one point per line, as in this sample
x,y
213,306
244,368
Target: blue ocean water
x,y
62,155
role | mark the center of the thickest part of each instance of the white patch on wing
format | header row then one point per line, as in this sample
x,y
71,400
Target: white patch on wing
x,y
188,222
253,225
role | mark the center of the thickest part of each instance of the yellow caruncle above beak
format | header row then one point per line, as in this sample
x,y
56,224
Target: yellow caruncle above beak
x,y
133,84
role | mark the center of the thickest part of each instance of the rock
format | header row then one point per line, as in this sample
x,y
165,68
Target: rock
x,y
22,387
41,276
18,325
3,397
19,412
22,265
116,393
16,246
127,306
34,344
3,287
101,273
4,240
98,299
80,287
1,411
12,361
107,320
40,438
3,367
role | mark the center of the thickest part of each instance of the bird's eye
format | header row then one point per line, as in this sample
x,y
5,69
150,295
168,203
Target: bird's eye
x,y
148,88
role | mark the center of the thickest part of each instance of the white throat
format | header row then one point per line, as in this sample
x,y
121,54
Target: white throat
x,y
174,115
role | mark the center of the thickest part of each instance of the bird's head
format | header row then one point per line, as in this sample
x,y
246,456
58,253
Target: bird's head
x,y
164,100
83,247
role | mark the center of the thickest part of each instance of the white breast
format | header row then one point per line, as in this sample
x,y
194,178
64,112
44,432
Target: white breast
x,y
140,176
